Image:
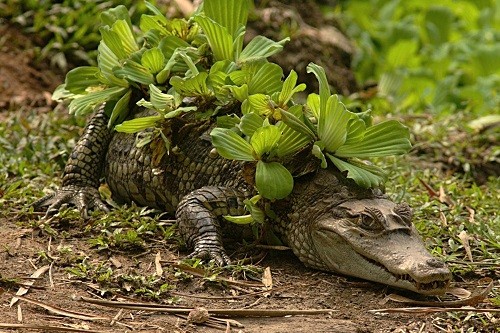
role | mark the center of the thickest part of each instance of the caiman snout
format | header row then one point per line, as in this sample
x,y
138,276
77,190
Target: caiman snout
x,y
377,241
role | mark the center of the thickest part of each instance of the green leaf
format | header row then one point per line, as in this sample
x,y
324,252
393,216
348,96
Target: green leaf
x,y
220,40
135,72
228,121
364,175
313,104
189,62
106,61
112,40
260,104
355,130
169,44
193,86
124,31
120,39
295,122
120,12
153,8
332,124
230,14
249,123
240,77
80,78
251,206
384,139
138,124
273,180
159,100
60,93
261,48
87,103
153,59
242,219
317,151
178,111
265,139
217,79
439,24
401,54
230,145
239,93
291,139
154,22
324,88
266,80
120,110
289,88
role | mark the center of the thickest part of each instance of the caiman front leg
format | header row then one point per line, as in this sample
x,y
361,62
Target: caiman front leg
x,y
198,216
83,171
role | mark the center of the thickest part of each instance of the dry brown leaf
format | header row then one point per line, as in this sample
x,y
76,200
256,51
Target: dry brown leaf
x,y
476,297
23,290
267,278
444,221
459,292
159,269
443,198
464,238
432,193
472,214
117,263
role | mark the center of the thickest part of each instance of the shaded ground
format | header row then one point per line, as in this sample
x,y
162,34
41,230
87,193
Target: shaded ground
x,y
130,274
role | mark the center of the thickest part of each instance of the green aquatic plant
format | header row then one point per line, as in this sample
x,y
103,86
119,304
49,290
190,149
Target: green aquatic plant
x,y
198,68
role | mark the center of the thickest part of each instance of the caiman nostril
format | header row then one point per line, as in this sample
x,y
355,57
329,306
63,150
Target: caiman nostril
x,y
435,263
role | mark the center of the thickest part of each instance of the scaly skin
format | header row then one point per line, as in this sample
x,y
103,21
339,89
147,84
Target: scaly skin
x,y
330,223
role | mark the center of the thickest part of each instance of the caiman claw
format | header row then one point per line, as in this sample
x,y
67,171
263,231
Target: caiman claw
x,y
84,198
211,252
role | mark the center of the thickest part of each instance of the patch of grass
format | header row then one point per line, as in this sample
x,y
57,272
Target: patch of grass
x,y
65,30
34,146
130,228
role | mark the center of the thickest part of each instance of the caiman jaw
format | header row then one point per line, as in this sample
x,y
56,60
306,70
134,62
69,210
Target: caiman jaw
x,y
433,287
377,245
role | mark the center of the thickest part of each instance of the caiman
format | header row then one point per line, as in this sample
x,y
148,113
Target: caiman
x,y
328,221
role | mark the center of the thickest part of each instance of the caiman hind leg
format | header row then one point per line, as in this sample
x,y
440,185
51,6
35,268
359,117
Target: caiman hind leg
x,y
83,171
198,216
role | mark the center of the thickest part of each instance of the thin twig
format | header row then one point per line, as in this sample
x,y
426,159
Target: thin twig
x,y
431,310
218,312
48,328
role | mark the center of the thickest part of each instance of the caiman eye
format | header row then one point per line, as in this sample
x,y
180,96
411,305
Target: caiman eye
x,y
367,222
371,219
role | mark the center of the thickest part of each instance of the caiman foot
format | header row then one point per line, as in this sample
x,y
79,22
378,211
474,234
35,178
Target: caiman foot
x,y
84,198
211,252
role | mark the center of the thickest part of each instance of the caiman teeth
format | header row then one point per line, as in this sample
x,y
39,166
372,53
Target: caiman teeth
x,y
440,284
424,286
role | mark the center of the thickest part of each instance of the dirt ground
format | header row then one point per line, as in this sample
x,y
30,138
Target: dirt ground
x,y
23,250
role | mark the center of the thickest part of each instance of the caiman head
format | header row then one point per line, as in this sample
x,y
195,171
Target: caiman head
x,y
368,237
